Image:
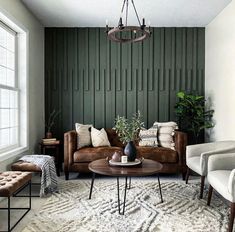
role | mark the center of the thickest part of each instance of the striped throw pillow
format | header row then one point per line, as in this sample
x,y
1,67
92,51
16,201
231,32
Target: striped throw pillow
x,y
148,138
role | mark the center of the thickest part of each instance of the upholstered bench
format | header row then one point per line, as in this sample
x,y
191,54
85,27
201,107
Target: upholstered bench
x,y
25,167
11,183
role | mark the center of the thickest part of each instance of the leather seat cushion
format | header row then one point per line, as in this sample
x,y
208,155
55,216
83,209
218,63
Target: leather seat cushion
x,y
11,181
25,166
160,154
88,154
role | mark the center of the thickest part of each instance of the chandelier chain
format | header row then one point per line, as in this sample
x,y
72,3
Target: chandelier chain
x,y
126,11
136,12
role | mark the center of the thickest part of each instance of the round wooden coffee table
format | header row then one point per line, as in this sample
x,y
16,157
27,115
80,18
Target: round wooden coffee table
x,y
147,168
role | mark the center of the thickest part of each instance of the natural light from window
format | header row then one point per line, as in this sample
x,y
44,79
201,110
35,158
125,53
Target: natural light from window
x,y
9,113
13,87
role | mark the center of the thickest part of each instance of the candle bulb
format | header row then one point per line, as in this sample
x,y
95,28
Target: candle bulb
x,y
107,22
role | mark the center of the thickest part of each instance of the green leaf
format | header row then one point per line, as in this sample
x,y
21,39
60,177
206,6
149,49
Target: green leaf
x,y
180,95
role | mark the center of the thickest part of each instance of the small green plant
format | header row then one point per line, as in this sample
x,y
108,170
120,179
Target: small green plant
x,y
128,130
192,114
51,120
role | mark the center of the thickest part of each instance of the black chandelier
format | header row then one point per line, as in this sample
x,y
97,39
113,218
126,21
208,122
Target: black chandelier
x,y
140,32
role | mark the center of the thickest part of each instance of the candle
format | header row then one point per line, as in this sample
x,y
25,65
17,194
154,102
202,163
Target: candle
x,y
124,159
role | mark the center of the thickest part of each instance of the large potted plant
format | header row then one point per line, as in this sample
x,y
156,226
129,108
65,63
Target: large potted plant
x,y
192,114
128,131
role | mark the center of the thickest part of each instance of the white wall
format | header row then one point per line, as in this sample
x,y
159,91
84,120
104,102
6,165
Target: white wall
x,y
220,72
15,9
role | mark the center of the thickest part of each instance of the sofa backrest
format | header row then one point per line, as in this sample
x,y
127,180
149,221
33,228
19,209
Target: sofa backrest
x,y
113,138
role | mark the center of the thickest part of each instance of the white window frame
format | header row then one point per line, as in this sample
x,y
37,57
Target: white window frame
x,y
15,88
21,56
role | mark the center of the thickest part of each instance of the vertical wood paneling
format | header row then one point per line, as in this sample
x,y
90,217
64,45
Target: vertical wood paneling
x,y
92,80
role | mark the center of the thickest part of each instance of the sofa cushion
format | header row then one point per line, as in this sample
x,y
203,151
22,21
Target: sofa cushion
x,y
160,154
148,138
88,154
165,133
84,135
113,138
99,138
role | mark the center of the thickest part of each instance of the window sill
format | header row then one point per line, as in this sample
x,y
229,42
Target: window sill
x,y
12,153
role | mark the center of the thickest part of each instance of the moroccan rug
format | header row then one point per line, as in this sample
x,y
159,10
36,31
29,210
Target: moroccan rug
x,y
182,211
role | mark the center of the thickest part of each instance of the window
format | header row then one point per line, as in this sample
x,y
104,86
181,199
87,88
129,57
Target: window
x,y
9,91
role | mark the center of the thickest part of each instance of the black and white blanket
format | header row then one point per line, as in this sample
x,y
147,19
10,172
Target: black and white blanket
x,y
49,177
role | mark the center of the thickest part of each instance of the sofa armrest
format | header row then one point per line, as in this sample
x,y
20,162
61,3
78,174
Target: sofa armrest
x,y
180,146
70,146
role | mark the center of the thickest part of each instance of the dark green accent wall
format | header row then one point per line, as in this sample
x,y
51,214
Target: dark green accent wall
x,y
92,80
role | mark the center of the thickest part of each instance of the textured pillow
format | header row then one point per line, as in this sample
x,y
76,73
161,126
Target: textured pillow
x,y
99,138
166,131
84,135
148,138
163,124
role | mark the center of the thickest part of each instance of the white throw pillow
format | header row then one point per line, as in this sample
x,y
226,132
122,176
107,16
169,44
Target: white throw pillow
x,y
163,124
84,135
99,138
148,138
166,130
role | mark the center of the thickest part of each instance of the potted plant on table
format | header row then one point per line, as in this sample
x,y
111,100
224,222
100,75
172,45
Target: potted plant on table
x,y
51,122
192,114
128,131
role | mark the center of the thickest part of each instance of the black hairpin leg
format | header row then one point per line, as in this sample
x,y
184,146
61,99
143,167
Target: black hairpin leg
x,y
159,185
92,183
129,185
124,201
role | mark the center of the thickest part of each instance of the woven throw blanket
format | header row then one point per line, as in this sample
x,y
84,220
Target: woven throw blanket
x,y
49,177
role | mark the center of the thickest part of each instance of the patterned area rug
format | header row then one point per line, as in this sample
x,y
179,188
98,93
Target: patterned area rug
x,y
70,210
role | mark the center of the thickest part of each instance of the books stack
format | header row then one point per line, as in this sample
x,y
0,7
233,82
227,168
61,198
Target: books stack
x,y
51,141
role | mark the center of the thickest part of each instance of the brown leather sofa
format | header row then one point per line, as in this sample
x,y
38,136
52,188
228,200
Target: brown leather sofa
x,y
77,160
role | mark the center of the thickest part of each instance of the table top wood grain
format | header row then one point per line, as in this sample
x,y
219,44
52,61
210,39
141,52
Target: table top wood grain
x,y
147,168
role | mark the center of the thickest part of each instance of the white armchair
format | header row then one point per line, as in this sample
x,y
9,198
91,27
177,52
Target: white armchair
x,y
197,157
221,177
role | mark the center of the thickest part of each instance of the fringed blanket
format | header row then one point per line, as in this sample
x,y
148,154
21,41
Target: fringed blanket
x,y
49,177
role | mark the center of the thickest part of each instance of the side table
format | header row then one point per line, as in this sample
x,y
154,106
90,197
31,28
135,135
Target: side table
x,y
56,147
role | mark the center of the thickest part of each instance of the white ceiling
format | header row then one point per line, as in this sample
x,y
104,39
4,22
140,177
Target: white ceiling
x,y
93,13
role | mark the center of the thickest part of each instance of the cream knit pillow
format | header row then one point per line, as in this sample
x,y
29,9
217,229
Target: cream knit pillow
x,y
148,138
166,131
99,138
84,135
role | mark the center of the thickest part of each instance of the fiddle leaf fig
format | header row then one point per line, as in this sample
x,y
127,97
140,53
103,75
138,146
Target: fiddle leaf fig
x,y
192,114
